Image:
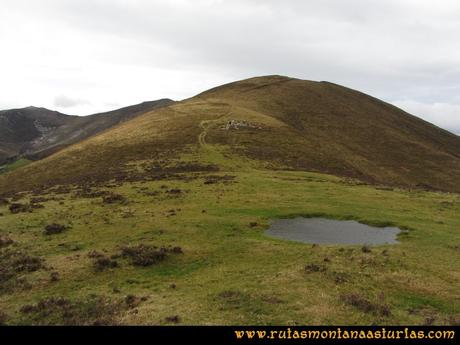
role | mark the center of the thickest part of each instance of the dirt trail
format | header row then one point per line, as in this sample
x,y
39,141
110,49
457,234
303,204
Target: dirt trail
x,y
211,153
202,135
206,124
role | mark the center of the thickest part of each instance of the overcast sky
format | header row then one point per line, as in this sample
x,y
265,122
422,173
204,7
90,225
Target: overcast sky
x,y
86,56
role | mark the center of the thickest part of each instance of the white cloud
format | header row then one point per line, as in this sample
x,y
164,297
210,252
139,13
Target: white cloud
x,y
69,102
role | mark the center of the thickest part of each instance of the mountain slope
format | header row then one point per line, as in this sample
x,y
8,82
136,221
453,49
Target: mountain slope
x,y
273,122
21,127
37,132
341,131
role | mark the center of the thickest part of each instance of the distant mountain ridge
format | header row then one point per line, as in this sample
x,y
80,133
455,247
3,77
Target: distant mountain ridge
x,y
35,132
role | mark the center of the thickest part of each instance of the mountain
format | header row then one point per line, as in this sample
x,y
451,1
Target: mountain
x,y
270,122
21,127
37,132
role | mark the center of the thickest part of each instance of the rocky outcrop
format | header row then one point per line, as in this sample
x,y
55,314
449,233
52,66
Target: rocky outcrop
x,y
240,124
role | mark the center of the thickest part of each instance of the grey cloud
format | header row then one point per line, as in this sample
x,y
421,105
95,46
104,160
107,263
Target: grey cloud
x,y
380,39
394,49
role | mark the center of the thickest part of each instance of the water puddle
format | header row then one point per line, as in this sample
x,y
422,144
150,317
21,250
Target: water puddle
x,y
329,231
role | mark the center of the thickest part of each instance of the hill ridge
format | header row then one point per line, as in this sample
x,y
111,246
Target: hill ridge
x,y
285,123
35,132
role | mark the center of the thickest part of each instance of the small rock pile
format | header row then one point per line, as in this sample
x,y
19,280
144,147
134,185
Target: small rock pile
x,y
237,124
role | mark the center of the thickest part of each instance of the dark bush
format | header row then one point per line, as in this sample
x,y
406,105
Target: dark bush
x,y
143,255
113,198
229,294
36,200
94,310
94,254
176,250
234,298
212,179
102,263
360,302
18,208
454,320
5,275
3,318
363,304
5,241
314,268
27,263
87,192
173,319
54,276
27,309
13,266
54,228
133,301
175,191
340,278
385,310
366,249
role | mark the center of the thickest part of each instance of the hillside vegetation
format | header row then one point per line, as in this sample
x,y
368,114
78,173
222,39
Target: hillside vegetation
x,y
162,219
287,123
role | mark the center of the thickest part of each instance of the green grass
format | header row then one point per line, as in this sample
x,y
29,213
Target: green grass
x,y
231,273
14,165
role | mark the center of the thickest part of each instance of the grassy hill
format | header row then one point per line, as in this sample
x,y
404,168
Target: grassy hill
x,y
290,124
161,219
328,128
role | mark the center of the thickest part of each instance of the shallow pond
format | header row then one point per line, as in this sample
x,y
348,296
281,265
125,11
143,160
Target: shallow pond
x,y
329,231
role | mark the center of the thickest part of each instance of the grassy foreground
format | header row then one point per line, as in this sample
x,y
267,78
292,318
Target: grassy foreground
x,y
226,271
